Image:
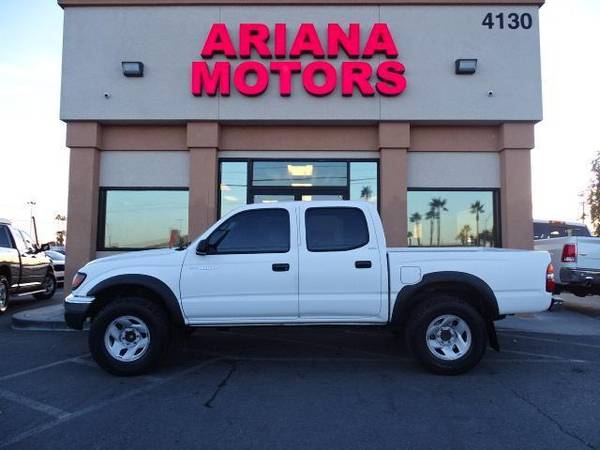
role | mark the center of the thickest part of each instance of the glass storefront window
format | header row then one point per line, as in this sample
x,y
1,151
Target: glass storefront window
x,y
140,219
363,181
299,173
452,218
234,185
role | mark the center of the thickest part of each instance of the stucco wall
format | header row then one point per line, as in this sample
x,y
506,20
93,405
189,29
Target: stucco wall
x,y
453,170
144,168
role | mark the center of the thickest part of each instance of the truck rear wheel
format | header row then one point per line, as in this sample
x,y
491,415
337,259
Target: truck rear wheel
x,y
446,335
129,336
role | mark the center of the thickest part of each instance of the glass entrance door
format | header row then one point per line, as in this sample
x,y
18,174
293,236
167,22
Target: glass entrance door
x,y
267,180
274,195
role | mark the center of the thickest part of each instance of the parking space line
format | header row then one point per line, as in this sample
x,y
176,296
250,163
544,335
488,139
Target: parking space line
x,y
555,341
84,362
101,404
34,404
38,368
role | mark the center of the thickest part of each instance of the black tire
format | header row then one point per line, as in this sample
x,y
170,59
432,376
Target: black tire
x,y
433,307
154,318
4,294
49,288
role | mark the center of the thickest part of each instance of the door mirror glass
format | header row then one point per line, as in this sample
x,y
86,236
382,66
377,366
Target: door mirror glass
x,y
44,247
202,248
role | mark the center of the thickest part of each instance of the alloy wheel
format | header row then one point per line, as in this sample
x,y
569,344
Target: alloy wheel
x,y
448,337
127,338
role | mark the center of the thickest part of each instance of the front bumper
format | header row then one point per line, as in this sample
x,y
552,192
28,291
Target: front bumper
x,y
76,310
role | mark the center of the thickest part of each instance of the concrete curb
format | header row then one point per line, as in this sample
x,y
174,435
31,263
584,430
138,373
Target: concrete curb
x,y
47,318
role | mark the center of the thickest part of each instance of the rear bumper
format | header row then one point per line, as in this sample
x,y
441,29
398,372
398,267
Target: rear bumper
x,y
76,310
579,277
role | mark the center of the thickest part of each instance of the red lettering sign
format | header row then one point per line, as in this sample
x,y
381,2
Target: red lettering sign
x,y
319,78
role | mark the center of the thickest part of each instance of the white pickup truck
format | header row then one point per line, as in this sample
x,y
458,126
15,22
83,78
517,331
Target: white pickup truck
x,y
302,263
575,255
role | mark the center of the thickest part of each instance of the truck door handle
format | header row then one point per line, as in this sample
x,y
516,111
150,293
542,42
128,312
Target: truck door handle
x,y
282,267
362,264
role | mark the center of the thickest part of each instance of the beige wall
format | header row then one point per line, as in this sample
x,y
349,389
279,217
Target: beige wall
x,y
395,143
82,214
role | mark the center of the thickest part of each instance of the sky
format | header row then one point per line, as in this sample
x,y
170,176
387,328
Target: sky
x,y
34,159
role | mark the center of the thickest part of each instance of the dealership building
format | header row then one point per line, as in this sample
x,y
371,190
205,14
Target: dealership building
x,y
179,111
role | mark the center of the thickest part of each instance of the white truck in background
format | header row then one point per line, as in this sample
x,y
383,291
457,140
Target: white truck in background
x,y
305,263
575,255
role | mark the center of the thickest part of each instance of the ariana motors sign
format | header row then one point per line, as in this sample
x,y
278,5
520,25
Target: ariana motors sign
x,y
285,54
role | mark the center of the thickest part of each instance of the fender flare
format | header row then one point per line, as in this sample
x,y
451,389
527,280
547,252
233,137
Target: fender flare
x,y
407,297
158,287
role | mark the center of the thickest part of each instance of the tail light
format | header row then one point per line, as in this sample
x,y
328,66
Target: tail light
x,y
550,284
569,253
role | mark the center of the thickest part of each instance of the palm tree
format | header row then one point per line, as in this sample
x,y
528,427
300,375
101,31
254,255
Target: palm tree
x,y
409,235
477,208
463,236
430,215
366,193
416,219
439,205
487,236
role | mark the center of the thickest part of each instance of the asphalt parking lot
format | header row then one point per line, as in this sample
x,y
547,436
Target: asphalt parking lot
x,y
301,388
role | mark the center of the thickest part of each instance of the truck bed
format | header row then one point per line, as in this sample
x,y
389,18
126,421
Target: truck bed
x,y
517,277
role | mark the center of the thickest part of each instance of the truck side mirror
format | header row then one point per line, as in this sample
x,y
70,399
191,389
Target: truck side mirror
x,y
44,247
202,248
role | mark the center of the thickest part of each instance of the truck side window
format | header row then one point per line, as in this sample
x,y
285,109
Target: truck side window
x,y
19,242
253,231
335,229
29,244
5,241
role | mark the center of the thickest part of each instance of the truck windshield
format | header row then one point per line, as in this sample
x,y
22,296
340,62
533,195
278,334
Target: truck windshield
x,y
554,230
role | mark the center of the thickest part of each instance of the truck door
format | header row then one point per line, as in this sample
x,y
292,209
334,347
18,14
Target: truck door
x,y
249,272
33,269
10,255
340,265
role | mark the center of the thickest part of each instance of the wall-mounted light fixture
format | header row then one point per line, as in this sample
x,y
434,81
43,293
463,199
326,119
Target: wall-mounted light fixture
x,y
465,66
133,68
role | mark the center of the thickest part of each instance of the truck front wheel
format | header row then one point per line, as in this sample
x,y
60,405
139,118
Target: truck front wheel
x,y
446,335
129,336
49,287
4,294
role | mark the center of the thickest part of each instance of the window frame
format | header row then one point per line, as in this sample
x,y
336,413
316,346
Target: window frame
x,y
337,250
101,225
496,205
289,248
258,190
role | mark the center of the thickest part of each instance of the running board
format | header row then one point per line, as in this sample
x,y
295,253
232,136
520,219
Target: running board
x,y
31,292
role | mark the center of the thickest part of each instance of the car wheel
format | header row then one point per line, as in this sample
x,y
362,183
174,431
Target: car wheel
x,y
446,335
129,336
4,294
49,287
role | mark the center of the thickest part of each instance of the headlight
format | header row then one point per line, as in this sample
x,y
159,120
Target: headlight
x,y
77,280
